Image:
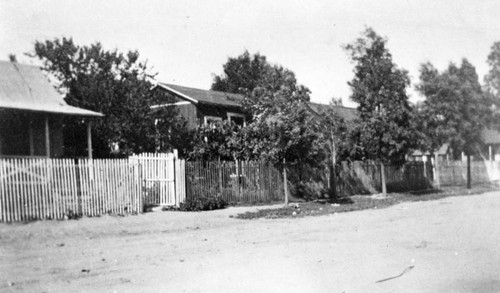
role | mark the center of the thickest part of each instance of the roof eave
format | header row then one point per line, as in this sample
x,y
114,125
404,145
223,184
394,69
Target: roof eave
x,y
76,112
175,92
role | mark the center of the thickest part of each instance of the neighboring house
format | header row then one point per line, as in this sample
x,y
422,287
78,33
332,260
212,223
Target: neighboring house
x,y
444,153
203,106
492,140
348,114
32,113
491,152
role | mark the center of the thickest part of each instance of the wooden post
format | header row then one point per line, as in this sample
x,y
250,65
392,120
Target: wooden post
x,y
468,172
285,182
425,168
333,173
30,132
436,171
89,139
382,179
47,137
238,178
219,171
490,153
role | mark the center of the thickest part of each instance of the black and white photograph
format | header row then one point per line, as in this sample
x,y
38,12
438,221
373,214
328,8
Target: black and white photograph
x,y
250,146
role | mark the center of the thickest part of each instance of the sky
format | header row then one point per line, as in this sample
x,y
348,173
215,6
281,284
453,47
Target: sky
x,y
187,42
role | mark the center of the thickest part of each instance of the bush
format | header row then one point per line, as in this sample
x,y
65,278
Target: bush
x,y
203,204
309,190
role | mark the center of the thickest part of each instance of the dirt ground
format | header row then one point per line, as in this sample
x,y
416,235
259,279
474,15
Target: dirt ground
x,y
448,245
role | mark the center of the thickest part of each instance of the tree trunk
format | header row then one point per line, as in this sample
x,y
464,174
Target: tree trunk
x,y
382,179
468,172
333,173
285,182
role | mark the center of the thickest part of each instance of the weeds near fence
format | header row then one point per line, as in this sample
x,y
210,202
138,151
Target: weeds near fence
x,y
199,204
362,202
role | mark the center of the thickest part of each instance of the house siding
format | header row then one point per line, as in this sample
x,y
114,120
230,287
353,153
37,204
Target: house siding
x,y
190,113
216,111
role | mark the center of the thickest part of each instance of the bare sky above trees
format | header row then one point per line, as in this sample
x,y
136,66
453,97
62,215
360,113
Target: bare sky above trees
x,y
188,41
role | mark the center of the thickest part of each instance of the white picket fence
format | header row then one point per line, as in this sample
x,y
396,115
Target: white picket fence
x,y
42,188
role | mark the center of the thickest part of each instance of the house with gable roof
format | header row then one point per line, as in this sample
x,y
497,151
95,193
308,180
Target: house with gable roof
x,y
199,106
204,106
32,113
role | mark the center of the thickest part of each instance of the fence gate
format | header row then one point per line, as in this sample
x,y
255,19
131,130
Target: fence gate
x,y
160,175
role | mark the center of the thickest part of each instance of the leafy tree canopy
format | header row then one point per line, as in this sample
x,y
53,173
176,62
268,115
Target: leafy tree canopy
x,y
492,79
455,110
113,83
384,131
280,126
241,74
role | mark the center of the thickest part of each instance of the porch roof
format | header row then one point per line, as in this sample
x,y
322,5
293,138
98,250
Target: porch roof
x,y
24,87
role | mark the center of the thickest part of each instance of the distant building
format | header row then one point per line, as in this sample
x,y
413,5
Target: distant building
x,y
32,113
203,106
444,153
492,140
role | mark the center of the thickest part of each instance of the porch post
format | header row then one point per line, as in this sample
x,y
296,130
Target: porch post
x,y
30,132
47,137
490,152
89,138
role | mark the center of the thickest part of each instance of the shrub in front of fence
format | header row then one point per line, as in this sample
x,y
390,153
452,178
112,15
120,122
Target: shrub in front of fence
x,y
203,204
309,190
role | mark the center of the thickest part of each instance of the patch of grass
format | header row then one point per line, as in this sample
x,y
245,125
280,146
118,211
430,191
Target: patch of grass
x,y
361,202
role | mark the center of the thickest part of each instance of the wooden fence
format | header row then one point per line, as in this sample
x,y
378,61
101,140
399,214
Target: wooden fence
x,y
236,182
362,177
40,188
411,176
162,176
455,172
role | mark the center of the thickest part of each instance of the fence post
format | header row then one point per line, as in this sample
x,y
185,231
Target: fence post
x,y
436,171
219,174
180,189
382,179
285,182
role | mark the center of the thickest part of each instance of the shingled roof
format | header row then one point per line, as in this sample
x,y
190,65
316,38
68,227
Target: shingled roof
x,y
24,87
349,114
229,99
203,96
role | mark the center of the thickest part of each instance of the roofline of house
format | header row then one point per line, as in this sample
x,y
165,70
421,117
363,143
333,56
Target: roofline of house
x,y
179,94
76,111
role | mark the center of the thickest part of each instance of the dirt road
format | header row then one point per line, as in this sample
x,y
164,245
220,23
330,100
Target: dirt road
x,y
449,245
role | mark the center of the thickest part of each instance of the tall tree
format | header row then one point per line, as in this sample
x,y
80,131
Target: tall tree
x,y
455,110
492,82
384,131
492,79
241,74
276,103
281,127
334,138
113,83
